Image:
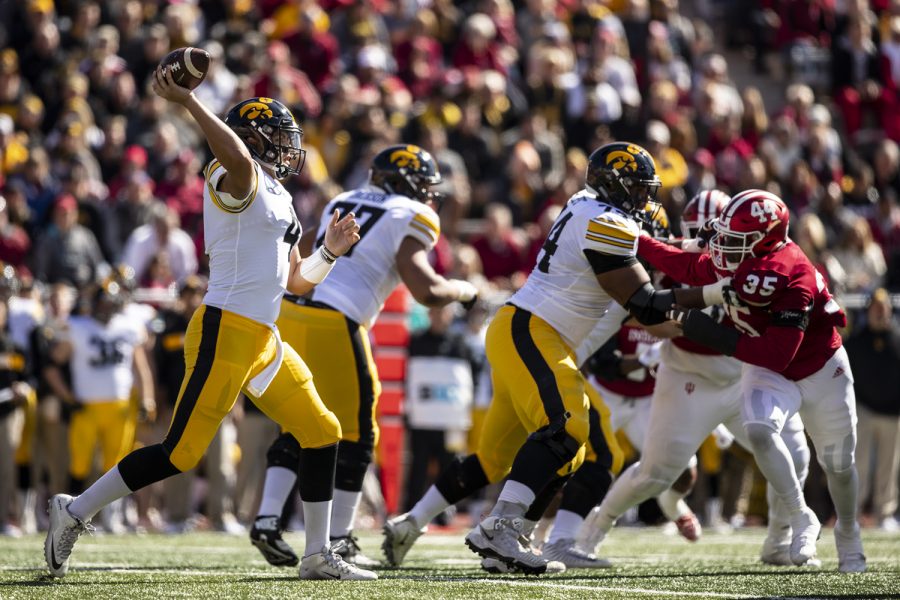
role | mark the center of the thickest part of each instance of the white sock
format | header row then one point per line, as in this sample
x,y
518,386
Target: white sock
x,y
343,512
109,488
516,493
316,520
431,505
565,525
624,494
276,491
672,504
843,487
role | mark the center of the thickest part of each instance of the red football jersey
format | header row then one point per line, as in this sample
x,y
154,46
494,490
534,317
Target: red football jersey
x,y
628,339
783,281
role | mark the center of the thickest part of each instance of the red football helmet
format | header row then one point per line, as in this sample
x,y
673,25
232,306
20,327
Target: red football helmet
x,y
753,223
705,205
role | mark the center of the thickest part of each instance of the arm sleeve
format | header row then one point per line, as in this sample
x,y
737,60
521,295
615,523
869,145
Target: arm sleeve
x,y
684,267
423,225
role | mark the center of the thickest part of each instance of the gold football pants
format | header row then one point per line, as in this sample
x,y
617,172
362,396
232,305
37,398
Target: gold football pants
x,y
223,351
535,380
338,353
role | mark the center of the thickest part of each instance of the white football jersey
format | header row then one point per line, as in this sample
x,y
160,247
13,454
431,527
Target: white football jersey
x,y
363,278
563,289
249,244
103,357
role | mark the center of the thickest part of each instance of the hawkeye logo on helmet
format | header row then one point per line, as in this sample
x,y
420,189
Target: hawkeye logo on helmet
x,y
259,107
407,157
621,160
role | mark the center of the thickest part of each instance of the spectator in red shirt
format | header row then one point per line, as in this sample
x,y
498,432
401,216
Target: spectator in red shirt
x,y
133,160
477,47
500,251
14,241
315,52
283,81
182,190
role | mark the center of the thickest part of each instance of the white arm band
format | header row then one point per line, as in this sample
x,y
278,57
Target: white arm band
x,y
315,267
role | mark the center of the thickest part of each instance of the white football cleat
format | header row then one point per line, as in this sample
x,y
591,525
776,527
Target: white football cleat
x,y
64,531
689,527
329,565
564,551
348,548
498,567
776,550
806,529
498,537
850,551
400,533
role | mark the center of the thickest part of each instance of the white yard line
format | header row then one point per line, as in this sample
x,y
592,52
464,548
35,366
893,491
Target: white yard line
x,y
598,589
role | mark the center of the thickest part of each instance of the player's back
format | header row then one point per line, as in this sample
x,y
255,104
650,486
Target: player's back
x,y
249,243
784,288
365,276
102,357
562,289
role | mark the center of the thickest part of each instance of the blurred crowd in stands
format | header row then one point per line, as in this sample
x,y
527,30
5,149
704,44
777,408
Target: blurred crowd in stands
x,y
100,177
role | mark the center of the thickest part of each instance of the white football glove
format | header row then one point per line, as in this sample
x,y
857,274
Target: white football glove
x,y
468,293
723,437
649,355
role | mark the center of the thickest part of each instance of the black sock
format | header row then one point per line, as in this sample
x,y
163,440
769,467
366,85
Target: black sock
x,y
315,479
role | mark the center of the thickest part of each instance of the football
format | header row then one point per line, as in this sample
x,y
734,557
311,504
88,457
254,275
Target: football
x,y
188,65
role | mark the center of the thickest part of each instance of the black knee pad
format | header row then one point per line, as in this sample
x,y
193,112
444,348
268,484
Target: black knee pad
x,y
284,452
586,489
461,479
557,439
353,459
24,477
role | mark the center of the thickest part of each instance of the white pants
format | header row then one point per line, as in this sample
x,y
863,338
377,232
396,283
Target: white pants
x,y
631,415
825,401
686,407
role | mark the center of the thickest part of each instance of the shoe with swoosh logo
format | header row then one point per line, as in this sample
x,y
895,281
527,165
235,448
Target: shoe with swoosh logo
x,y
64,531
327,564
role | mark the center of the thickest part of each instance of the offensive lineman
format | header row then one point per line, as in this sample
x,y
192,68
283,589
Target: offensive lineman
x,y
232,344
398,227
537,423
786,334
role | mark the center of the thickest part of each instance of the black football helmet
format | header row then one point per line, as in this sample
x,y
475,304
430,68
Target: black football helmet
x,y
108,300
623,175
271,134
655,221
407,170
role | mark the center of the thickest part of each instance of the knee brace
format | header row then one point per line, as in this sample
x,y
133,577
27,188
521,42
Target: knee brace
x,y
461,479
284,452
315,477
147,465
353,459
586,489
555,437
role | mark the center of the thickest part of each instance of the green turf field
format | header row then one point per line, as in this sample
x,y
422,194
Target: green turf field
x,y
648,564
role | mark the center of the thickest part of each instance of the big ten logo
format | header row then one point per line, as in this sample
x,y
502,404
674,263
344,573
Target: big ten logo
x,y
407,158
444,393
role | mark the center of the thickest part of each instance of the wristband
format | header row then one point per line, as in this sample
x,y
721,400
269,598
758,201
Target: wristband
x,y
315,267
692,245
